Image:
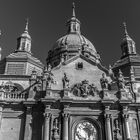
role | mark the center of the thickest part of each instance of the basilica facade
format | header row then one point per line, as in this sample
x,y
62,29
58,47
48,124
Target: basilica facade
x,y
73,96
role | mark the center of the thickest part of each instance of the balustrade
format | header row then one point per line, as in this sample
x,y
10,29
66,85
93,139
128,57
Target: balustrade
x,y
12,95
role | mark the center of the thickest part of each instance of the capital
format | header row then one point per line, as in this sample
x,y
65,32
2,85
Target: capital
x,y
28,110
108,116
47,115
66,115
126,116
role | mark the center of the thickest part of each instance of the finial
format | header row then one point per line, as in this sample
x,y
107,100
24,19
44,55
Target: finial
x,y
73,9
26,27
125,28
120,72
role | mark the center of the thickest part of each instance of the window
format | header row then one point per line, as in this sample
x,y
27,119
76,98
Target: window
x,y
85,131
79,65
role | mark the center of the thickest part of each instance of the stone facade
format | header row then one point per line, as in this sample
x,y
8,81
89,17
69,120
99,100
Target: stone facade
x,y
74,97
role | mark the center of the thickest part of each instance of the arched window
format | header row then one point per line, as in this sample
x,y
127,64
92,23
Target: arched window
x,y
85,130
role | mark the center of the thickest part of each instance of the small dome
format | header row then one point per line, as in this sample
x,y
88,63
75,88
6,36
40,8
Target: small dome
x,y
74,40
25,35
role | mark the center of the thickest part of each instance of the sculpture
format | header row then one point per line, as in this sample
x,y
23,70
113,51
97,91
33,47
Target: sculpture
x,y
120,81
84,89
104,81
65,81
50,80
117,135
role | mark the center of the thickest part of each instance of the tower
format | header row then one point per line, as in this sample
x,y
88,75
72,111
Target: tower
x,y
24,41
129,58
128,45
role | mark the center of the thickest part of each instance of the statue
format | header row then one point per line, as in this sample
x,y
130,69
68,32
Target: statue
x,y
117,135
49,67
50,80
120,81
65,81
104,81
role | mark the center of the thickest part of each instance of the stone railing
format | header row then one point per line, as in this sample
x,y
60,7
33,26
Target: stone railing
x,y
12,96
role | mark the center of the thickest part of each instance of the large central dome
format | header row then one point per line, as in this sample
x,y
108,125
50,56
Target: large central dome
x,y
74,40
72,44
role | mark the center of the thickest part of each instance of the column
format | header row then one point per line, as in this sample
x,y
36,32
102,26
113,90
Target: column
x,y
28,123
65,126
46,129
1,108
126,126
108,127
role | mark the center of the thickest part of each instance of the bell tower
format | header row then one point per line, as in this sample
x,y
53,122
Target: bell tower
x,y
128,45
24,41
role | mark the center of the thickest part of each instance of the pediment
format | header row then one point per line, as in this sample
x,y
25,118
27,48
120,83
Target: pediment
x,y
90,71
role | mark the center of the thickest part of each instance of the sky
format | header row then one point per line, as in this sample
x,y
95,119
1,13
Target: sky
x,y
101,23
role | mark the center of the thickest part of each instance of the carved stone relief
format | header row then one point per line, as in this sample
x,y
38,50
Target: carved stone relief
x,y
84,89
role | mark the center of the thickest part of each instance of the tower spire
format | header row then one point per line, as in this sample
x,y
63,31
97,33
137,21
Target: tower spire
x,y
128,45
125,29
24,41
73,10
26,26
73,23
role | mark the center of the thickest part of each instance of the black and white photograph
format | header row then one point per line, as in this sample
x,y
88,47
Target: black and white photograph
x,y
69,70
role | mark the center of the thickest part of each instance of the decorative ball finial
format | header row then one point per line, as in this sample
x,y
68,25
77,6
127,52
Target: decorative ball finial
x,y
73,9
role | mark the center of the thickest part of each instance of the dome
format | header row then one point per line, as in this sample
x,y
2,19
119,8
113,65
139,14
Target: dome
x,y
25,35
72,44
74,40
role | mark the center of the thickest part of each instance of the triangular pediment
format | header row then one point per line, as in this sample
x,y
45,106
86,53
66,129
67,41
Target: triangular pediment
x,y
90,71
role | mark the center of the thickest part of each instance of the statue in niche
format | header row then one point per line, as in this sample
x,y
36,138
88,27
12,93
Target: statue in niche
x,y
120,81
55,128
84,89
104,81
65,81
117,134
85,131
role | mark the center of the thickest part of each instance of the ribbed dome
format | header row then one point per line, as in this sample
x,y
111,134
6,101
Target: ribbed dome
x,y
72,44
73,40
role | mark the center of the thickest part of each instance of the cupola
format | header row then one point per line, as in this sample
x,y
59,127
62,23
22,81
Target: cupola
x,y
24,41
128,45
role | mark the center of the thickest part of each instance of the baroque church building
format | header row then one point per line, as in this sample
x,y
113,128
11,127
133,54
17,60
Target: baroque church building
x,y
73,97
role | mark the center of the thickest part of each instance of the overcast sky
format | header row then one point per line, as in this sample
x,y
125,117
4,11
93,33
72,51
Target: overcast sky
x,y
101,23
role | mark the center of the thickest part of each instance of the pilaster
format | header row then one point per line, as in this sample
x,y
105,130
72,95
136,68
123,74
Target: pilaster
x,y
108,123
28,124
125,116
126,126
108,126
1,109
46,129
65,126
